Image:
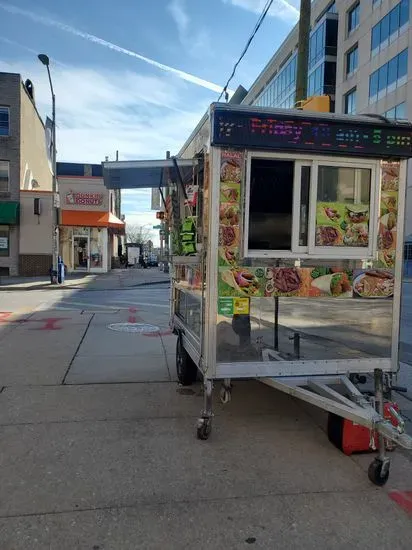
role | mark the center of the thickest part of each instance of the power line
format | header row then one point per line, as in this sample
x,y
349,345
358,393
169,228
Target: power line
x,y
248,43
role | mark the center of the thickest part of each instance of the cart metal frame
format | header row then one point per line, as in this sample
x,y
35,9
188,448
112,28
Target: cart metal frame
x,y
310,381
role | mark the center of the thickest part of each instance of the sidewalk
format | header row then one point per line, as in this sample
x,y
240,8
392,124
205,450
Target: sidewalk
x,y
99,450
113,280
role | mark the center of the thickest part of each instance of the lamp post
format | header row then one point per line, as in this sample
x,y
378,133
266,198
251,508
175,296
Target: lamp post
x,y
55,226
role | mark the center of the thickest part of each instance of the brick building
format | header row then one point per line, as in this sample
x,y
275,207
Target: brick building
x,y
26,200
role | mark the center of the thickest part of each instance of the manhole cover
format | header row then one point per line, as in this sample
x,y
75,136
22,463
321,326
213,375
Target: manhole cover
x,y
134,327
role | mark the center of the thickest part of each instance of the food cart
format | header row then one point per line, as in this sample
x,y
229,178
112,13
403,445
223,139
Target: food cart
x,y
287,260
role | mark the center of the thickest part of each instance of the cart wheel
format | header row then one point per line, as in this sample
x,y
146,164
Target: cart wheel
x,y
186,368
225,395
204,428
375,472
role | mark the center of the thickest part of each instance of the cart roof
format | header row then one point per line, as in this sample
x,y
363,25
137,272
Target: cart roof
x,y
293,130
139,174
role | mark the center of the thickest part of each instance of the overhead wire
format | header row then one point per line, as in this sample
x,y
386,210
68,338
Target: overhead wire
x,y
245,49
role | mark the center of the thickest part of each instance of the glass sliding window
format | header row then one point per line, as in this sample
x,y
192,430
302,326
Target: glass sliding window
x,y
270,204
343,206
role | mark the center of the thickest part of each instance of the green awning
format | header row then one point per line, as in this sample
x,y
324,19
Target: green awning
x,y
9,213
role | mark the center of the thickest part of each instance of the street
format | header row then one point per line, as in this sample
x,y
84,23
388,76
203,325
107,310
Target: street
x,y
99,449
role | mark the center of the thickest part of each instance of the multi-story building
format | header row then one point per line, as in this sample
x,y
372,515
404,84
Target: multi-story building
x,y
91,233
358,55
26,199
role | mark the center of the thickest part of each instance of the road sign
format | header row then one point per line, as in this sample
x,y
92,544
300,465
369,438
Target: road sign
x,y
162,232
157,227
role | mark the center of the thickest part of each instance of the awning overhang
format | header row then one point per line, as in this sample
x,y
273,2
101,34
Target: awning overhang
x,y
9,213
89,218
143,174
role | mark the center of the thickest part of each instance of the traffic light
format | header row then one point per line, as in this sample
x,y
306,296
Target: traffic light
x,y
160,215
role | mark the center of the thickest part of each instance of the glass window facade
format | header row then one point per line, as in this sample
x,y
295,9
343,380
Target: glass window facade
x,y
4,121
352,60
390,27
354,17
388,77
397,113
350,102
323,41
280,92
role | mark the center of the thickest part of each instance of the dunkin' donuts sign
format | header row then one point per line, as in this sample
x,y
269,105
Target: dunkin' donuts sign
x,y
84,199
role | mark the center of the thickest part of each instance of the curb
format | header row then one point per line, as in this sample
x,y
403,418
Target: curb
x,y
82,287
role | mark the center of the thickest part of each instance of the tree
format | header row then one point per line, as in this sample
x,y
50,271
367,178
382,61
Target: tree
x,y
137,233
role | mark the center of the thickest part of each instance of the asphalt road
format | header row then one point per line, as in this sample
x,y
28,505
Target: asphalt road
x,y
156,298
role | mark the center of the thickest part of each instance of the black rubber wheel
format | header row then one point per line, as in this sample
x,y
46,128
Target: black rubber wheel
x,y
375,471
204,429
186,368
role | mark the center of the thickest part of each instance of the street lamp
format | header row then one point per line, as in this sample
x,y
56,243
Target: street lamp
x,y
55,252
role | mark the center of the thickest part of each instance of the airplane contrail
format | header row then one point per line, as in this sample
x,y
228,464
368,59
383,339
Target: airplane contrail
x,y
96,40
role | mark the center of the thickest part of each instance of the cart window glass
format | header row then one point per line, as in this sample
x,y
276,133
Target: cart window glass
x,y
304,205
270,205
343,206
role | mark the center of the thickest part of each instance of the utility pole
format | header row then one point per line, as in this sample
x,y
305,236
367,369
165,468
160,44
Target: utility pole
x,y
303,52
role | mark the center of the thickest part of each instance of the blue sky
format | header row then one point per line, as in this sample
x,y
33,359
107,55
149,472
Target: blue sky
x,y
107,97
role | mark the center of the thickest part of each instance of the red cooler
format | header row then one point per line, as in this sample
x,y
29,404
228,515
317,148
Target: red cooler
x,y
353,438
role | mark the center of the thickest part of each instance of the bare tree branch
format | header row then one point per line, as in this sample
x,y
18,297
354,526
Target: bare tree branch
x,y
137,233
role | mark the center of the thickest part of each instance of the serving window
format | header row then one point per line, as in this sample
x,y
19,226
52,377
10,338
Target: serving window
x,y
310,207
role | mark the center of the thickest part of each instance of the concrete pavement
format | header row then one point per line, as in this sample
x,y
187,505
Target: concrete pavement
x,y
115,279
99,450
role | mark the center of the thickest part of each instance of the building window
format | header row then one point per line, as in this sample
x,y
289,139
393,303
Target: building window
x,y
4,176
4,121
390,27
350,102
387,78
4,240
280,91
397,113
352,60
353,17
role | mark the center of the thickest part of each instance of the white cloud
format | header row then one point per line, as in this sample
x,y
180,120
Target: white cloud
x,y
288,10
101,111
48,21
179,14
196,40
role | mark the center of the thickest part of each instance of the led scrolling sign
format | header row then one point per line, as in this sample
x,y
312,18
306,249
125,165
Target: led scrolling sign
x,y
284,132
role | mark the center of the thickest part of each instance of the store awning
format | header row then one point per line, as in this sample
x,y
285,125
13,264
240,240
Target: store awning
x,y
141,174
111,221
89,218
9,213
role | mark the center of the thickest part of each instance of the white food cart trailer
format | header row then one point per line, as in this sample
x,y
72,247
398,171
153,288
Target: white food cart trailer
x,y
287,266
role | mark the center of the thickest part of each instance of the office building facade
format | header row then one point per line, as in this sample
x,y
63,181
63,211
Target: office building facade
x,y
359,55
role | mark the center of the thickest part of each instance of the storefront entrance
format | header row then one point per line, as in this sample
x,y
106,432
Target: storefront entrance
x,y
85,248
81,253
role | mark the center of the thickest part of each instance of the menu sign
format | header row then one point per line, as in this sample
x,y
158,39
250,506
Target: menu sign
x,y
292,132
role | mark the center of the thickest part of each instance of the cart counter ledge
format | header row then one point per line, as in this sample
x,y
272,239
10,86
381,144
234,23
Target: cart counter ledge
x,y
287,237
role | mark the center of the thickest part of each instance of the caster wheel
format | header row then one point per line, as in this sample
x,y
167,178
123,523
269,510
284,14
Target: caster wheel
x,y
225,395
375,473
186,368
204,428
